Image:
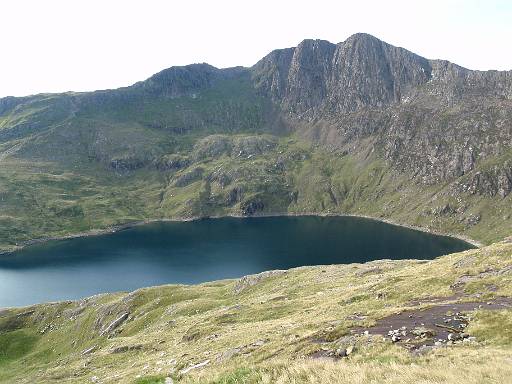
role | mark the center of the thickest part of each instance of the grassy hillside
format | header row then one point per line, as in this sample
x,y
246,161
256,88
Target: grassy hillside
x,y
237,174
199,141
280,327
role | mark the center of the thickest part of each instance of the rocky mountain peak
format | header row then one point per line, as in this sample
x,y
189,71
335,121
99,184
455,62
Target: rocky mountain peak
x,y
362,38
318,76
183,80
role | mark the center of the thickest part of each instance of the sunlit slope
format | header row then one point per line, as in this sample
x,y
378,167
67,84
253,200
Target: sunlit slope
x,y
280,326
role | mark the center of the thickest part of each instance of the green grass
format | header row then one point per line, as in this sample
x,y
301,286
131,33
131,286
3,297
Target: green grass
x,y
493,327
239,376
150,380
265,332
16,344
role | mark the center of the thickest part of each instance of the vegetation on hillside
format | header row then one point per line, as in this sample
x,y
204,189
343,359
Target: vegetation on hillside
x,y
241,174
281,326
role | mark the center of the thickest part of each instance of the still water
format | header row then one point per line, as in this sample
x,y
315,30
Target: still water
x,y
203,250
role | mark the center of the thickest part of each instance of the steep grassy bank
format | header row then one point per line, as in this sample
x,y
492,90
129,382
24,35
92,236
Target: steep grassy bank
x,y
277,327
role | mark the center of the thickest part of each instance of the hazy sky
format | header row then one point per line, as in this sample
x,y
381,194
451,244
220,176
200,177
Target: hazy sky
x,y
61,45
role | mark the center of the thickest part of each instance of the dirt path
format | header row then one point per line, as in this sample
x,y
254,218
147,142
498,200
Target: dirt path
x,y
437,324
418,330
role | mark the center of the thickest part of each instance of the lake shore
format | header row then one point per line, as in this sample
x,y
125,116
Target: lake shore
x,y
120,227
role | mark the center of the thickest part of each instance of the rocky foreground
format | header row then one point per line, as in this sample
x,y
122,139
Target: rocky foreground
x,y
446,320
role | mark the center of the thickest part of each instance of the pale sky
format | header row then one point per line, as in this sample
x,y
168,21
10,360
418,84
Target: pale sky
x,y
81,45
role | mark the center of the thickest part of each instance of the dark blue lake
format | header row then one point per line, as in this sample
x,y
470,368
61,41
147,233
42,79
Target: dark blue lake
x,y
203,250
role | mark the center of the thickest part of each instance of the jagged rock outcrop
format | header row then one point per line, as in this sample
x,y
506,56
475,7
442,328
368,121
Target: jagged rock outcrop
x,y
431,118
318,77
494,181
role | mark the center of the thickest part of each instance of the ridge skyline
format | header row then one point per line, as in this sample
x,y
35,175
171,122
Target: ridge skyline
x,y
354,36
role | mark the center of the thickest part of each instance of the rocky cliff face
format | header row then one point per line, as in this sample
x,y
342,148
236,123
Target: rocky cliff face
x,y
318,78
428,117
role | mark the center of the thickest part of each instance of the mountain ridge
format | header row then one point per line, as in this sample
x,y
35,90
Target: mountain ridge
x,y
357,37
370,124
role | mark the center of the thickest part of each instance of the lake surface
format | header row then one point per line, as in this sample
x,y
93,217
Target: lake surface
x,y
203,250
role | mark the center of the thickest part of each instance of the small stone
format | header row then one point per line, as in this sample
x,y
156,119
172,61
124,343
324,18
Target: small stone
x,y
395,338
89,350
195,366
423,332
259,343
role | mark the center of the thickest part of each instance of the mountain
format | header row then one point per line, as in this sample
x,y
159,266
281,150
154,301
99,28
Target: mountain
x,y
358,127
429,117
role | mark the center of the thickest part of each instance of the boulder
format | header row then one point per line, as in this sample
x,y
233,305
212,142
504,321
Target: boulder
x,y
126,348
116,323
89,350
250,280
